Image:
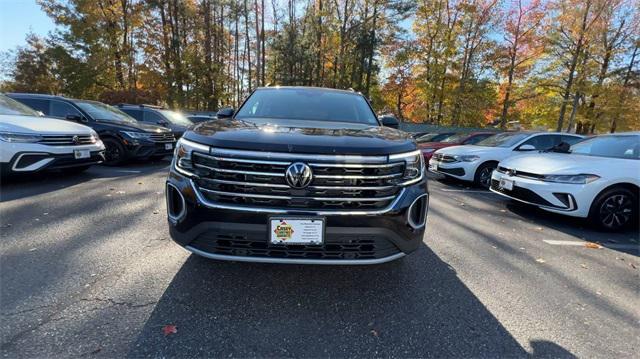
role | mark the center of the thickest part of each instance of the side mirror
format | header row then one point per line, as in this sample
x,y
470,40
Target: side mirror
x,y
561,147
526,148
225,112
163,123
75,118
390,121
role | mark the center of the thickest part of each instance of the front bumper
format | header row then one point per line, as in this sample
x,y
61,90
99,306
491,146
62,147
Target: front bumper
x,y
351,238
29,158
461,170
143,149
569,199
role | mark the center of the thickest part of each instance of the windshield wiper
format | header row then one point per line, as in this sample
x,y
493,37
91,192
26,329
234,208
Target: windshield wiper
x,y
561,147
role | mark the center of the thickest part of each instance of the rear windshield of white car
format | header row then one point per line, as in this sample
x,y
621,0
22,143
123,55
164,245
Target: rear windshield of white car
x,y
503,139
9,106
308,104
613,146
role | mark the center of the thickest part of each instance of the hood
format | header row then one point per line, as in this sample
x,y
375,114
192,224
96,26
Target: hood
x,y
302,137
41,125
559,163
133,126
436,145
471,150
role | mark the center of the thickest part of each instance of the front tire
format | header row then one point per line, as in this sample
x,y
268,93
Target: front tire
x,y
482,177
114,153
615,209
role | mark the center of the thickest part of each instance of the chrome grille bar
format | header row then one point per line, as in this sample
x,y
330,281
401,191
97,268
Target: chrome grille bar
x,y
268,196
297,156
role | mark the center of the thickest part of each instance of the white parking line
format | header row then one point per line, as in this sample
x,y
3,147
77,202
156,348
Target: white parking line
x,y
128,171
583,243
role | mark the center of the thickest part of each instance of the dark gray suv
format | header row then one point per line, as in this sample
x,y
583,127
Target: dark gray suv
x,y
159,116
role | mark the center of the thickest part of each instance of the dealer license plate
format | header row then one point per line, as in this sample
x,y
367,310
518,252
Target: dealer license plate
x,y
168,146
286,230
506,184
80,154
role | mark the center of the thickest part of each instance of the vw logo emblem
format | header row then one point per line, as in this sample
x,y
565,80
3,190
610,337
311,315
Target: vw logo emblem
x,y
75,140
298,175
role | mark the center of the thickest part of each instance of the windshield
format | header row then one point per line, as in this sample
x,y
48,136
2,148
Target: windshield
x,y
613,146
456,138
102,112
176,118
308,104
503,139
9,106
434,137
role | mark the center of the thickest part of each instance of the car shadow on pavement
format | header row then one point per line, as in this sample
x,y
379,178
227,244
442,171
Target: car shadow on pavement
x,y
626,241
23,186
414,307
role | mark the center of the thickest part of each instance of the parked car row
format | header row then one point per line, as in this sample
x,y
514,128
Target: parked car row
x,y
111,134
596,178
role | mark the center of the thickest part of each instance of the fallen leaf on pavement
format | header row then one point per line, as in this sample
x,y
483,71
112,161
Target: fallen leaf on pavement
x,y
592,245
155,212
139,182
584,266
539,228
374,332
169,329
632,265
503,210
540,260
620,258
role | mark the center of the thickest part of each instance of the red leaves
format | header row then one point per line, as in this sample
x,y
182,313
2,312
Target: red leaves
x,y
169,329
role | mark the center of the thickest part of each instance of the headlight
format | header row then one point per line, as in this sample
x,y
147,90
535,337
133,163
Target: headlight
x,y
94,136
573,179
19,137
413,169
136,135
427,150
466,158
182,156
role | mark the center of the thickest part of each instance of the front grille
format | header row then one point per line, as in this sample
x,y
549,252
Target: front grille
x,y
513,172
334,247
254,179
162,137
444,158
67,140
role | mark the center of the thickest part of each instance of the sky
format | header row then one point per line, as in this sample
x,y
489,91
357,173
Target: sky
x,y
17,18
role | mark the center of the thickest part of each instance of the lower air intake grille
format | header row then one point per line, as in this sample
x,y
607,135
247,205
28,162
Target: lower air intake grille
x,y
335,247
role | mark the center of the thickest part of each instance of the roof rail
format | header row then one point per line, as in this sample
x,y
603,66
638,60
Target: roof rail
x,y
140,105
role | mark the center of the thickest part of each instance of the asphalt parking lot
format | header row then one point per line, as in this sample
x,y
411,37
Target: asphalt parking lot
x,y
88,269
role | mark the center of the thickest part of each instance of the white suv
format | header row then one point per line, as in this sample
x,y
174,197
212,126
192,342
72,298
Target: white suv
x,y
30,142
476,162
598,178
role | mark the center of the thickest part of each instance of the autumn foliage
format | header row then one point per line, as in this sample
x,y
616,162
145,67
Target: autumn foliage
x,y
570,65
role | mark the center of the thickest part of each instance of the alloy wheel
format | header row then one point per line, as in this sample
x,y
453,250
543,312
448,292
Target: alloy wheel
x,y
616,211
485,177
112,153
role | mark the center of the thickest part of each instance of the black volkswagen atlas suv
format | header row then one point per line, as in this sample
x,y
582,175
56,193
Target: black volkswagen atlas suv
x,y
298,175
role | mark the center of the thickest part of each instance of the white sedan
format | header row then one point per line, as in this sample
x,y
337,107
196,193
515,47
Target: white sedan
x,y
30,142
598,179
476,162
